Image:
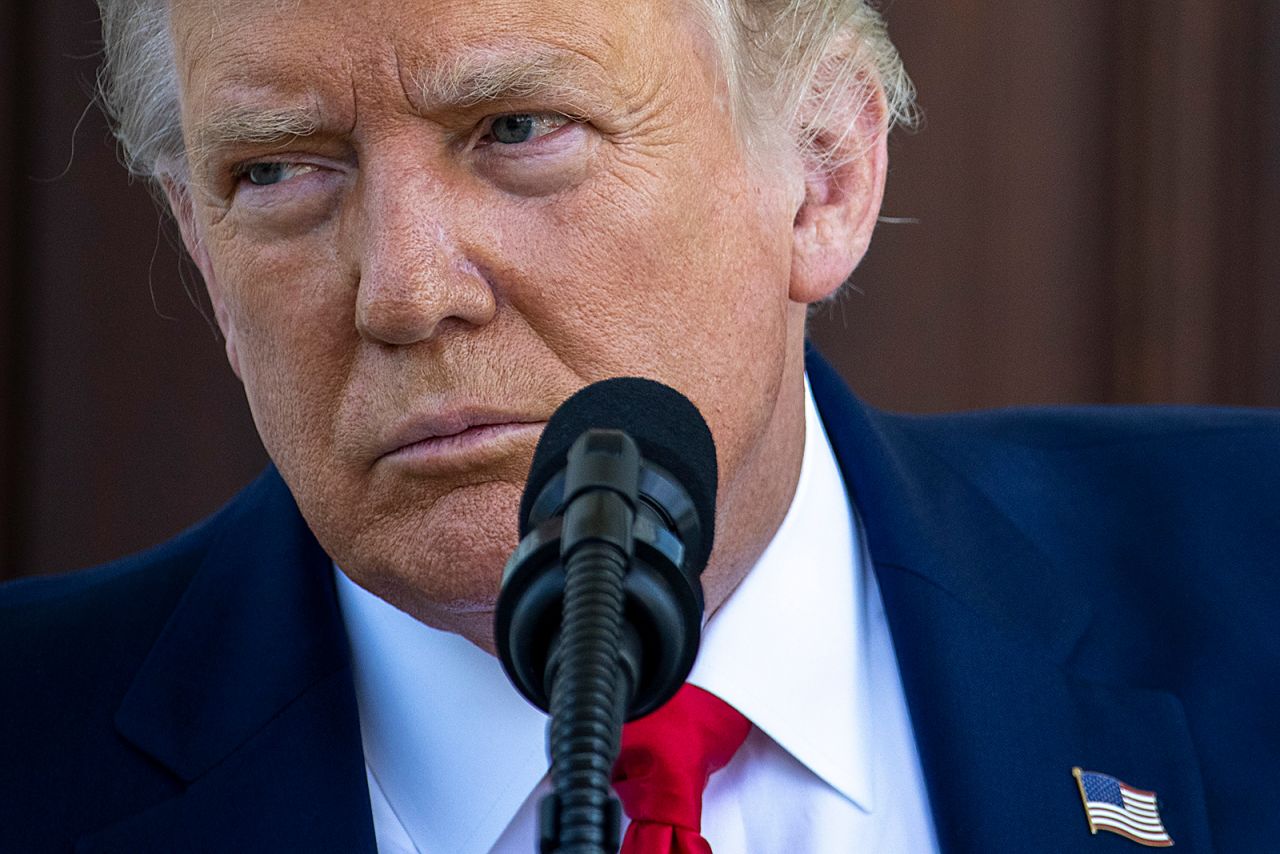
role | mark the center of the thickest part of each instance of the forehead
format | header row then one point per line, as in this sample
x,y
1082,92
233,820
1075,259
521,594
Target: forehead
x,y
253,42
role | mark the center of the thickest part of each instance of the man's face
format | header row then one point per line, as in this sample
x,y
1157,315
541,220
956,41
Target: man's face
x,y
493,204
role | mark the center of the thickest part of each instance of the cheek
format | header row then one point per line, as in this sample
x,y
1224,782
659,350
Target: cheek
x,y
681,277
639,268
291,316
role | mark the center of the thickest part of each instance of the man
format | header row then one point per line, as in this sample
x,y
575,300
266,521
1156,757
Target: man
x,y
422,226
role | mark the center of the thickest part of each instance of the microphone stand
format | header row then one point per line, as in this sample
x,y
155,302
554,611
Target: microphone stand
x,y
590,691
598,622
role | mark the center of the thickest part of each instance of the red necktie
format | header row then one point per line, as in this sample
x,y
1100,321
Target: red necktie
x,y
664,764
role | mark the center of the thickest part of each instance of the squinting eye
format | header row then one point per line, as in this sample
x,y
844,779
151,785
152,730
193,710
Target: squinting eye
x,y
266,174
516,128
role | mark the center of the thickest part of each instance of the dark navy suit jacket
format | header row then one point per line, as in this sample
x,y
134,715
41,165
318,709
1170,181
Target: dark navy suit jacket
x,y
1064,587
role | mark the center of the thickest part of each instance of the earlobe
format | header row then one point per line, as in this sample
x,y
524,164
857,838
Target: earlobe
x,y
844,173
180,204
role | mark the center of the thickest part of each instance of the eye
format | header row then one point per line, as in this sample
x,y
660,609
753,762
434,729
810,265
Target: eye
x,y
533,153
516,128
266,174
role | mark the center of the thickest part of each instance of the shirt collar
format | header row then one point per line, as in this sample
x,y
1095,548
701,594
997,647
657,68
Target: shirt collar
x,y
456,751
453,747
788,648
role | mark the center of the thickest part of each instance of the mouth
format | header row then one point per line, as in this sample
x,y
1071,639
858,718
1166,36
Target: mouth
x,y
459,441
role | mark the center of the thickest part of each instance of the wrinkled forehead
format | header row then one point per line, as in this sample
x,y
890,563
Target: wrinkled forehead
x,y
260,70
273,40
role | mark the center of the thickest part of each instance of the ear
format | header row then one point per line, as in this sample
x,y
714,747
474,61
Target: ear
x,y
179,197
844,173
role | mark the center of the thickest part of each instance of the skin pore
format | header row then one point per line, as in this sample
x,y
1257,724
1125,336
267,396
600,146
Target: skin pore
x,y
425,224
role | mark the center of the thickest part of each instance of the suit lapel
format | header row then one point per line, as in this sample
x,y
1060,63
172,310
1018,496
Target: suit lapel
x,y
984,626
247,698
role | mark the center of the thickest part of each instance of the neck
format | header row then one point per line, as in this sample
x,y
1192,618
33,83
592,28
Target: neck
x,y
752,506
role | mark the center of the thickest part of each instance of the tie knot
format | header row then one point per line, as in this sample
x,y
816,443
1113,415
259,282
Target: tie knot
x,y
667,757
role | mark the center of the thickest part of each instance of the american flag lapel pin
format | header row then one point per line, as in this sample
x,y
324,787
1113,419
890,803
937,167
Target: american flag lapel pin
x,y
1120,808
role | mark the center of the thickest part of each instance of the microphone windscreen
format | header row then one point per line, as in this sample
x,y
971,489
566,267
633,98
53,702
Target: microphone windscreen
x,y
665,425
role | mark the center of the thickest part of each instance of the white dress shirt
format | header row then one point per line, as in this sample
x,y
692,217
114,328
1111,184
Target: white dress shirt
x,y
456,759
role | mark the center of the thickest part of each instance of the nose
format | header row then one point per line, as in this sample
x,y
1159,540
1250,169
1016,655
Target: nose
x,y
414,278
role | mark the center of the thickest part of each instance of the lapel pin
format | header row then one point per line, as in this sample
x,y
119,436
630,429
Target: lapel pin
x,y
1120,808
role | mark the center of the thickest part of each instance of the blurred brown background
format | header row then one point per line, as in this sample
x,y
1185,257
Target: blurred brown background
x,y
1092,202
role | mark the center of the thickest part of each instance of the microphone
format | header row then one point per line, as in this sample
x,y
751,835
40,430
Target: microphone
x,y
599,616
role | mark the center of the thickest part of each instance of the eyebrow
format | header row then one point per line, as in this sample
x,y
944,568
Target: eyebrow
x,y
482,76
250,124
476,77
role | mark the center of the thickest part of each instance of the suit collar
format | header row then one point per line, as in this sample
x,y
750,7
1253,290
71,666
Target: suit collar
x,y
924,517
984,625
248,689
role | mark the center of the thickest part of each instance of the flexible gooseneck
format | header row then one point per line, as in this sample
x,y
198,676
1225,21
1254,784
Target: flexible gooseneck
x,y
599,616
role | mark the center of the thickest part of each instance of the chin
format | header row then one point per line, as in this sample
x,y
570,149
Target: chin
x,y
444,562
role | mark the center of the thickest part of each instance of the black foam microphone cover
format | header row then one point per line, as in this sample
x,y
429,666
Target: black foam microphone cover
x,y
667,428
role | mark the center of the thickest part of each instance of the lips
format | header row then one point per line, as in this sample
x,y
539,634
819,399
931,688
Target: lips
x,y
455,431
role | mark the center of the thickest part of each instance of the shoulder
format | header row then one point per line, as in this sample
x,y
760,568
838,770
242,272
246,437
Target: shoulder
x,y
1090,428
82,634
102,665
1110,492
1167,512
121,591
1143,457
1039,451
65,633
110,600
1165,517
70,648
1185,472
